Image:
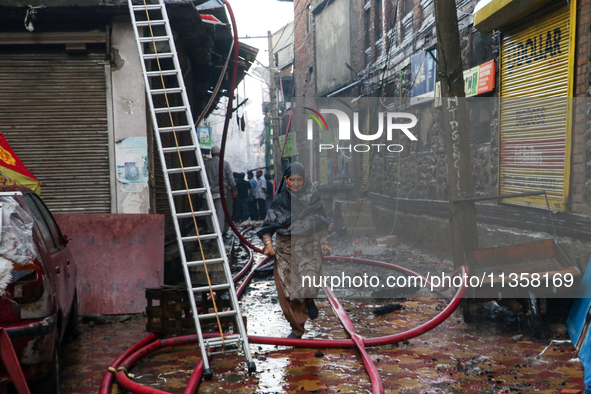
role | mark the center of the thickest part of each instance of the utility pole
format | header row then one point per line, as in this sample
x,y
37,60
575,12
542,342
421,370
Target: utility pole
x,y
275,130
457,136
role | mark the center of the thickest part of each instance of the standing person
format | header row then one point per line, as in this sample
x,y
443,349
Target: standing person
x,y
243,188
252,204
270,194
212,167
297,216
261,195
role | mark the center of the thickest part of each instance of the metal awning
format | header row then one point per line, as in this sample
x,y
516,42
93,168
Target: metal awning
x,y
209,4
490,15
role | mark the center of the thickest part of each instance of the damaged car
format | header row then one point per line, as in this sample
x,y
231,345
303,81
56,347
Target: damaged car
x,y
38,302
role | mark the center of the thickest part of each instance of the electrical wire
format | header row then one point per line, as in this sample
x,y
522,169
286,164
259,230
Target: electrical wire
x,y
216,89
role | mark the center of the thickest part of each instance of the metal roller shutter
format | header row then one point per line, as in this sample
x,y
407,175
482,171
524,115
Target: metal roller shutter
x,y
53,111
536,79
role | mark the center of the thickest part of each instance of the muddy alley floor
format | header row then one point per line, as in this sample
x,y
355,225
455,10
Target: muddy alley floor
x,y
453,358
494,354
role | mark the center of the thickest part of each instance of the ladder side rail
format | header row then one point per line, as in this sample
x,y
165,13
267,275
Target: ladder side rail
x,y
168,187
221,246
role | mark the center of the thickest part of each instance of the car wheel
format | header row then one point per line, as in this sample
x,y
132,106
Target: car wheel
x,y
73,328
50,383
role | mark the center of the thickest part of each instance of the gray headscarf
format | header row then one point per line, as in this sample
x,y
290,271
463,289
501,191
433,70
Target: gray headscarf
x,y
300,213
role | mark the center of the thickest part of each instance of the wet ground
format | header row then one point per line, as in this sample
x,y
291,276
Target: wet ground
x,y
494,354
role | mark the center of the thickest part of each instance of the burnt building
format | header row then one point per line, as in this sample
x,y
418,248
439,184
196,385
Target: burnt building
x,y
74,110
525,68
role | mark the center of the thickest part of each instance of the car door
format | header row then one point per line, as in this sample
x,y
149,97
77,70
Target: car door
x,y
59,259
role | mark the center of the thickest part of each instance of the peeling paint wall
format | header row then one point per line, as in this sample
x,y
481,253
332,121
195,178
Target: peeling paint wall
x,y
129,119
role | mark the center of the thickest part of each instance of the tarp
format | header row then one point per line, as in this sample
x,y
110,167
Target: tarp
x,y
578,318
13,171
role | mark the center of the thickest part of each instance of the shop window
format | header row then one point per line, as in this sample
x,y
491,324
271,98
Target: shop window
x,y
392,13
378,19
406,7
367,27
481,49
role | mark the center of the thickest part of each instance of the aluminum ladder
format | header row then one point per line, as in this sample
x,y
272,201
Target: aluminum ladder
x,y
187,186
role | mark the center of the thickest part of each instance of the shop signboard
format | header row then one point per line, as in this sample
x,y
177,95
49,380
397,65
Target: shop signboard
x,y
204,135
477,80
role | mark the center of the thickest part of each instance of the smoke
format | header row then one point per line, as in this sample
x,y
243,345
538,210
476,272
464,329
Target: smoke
x,y
244,150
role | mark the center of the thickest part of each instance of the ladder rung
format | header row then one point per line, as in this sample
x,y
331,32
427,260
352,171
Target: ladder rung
x,y
186,215
190,191
155,22
149,39
201,289
193,238
164,73
181,170
229,340
176,128
167,91
154,56
213,315
226,350
144,7
176,149
166,110
200,262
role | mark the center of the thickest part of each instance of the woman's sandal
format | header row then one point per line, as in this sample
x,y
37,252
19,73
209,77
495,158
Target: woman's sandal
x,y
312,310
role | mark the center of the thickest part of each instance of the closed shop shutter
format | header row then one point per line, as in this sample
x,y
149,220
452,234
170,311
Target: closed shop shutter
x,y
536,79
53,111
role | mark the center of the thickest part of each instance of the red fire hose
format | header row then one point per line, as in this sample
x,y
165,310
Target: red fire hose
x,y
150,343
132,355
358,340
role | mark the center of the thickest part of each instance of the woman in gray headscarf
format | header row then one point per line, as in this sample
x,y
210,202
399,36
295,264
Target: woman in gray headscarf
x,y
297,216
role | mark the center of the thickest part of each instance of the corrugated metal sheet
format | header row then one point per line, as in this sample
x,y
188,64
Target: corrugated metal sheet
x,y
535,112
282,42
53,111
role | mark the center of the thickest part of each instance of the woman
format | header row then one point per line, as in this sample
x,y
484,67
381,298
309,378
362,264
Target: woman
x,y
297,216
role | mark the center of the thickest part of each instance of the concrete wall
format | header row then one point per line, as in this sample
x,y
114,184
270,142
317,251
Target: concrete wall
x,y
117,257
129,116
333,46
